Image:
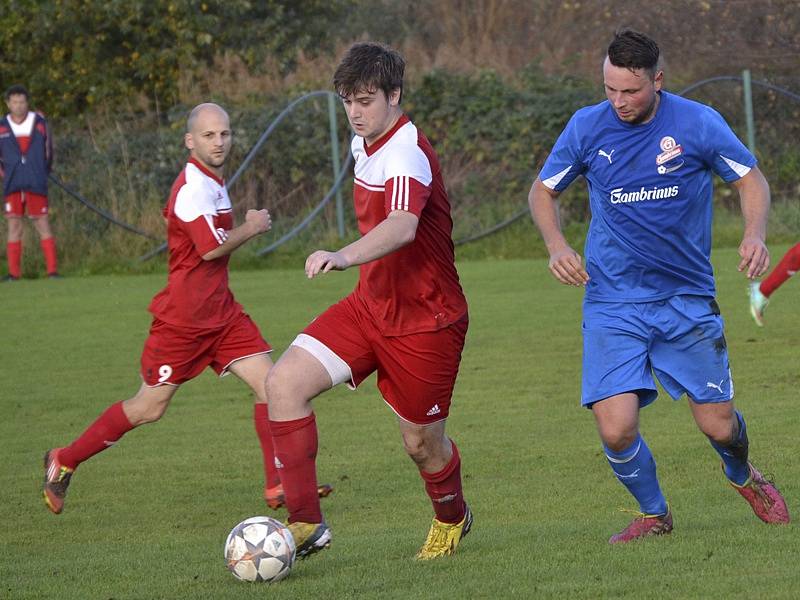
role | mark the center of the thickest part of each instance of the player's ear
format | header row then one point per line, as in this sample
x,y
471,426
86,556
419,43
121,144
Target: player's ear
x,y
394,96
658,80
188,141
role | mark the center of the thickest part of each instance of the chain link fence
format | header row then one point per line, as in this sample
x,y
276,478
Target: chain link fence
x,y
125,172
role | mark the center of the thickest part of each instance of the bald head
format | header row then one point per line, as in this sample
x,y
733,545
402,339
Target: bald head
x,y
201,111
208,136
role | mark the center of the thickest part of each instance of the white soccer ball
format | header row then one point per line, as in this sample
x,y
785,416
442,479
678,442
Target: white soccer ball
x,y
260,549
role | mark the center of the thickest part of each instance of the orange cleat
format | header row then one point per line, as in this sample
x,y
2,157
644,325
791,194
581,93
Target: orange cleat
x,y
275,497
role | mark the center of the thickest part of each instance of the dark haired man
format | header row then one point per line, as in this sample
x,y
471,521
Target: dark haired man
x,y
406,319
26,155
197,323
649,306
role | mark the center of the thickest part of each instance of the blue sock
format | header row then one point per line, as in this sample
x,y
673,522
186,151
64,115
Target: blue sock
x,y
636,469
734,454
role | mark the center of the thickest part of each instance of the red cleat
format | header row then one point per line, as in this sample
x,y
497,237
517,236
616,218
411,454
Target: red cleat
x,y
275,497
56,481
644,526
763,497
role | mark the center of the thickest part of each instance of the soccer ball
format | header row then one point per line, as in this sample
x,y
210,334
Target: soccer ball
x,y
260,549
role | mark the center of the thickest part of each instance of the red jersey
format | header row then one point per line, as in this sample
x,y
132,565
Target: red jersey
x,y
415,288
198,216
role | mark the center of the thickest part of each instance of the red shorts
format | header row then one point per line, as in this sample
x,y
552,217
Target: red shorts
x,y
416,372
20,203
173,355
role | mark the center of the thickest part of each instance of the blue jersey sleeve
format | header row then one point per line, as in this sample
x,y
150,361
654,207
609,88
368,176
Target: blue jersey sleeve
x,y
565,162
728,157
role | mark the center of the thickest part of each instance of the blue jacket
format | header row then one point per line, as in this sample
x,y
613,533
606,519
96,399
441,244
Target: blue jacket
x,y
27,172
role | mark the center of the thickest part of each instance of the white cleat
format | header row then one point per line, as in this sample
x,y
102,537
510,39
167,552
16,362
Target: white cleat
x,y
758,302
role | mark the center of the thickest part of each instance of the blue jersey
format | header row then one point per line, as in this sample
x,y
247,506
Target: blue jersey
x,y
650,192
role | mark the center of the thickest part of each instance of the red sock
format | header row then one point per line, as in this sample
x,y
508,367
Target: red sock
x,y
261,419
14,255
444,489
49,250
107,429
296,452
789,265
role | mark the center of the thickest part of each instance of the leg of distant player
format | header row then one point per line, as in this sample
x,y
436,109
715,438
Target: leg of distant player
x,y
788,266
726,430
439,464
14,247
48,243
630,458
760,292
253,371
292,383
147,406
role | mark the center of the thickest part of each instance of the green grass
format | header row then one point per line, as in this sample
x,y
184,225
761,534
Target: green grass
x,y
148,518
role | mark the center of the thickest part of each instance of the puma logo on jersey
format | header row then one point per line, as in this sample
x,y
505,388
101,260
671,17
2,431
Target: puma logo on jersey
x,y
710,384
434,410
606,154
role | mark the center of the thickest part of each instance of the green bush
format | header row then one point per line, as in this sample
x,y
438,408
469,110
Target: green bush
x,y
130,54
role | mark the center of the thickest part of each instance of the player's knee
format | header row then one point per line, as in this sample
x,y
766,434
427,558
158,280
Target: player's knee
x,y
719,431
415,447
618,439
152,414
14,227
282,387
426,451
142,412
274,385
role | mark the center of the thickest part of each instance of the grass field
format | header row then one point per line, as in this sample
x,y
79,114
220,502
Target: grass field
x,y
148,518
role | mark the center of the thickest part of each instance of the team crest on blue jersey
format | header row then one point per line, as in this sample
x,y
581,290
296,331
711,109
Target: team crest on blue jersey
x,y
670,158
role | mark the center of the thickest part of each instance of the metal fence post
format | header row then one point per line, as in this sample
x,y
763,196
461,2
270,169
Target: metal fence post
x,y
335,161
747,90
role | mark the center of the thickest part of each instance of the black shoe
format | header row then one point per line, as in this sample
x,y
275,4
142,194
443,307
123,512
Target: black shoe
x,y
9,278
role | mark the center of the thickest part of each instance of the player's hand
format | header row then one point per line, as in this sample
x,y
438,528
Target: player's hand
x,y
259,220
755,257
567,267
323,261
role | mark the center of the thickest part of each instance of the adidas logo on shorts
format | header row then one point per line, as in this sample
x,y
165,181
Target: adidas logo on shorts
x,y
433,411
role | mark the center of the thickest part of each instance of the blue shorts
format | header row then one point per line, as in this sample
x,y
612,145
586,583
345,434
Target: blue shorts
x,y
679,339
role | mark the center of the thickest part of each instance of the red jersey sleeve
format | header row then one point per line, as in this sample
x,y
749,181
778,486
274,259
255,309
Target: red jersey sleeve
x,y
407,179
204,233
406,193
198,217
